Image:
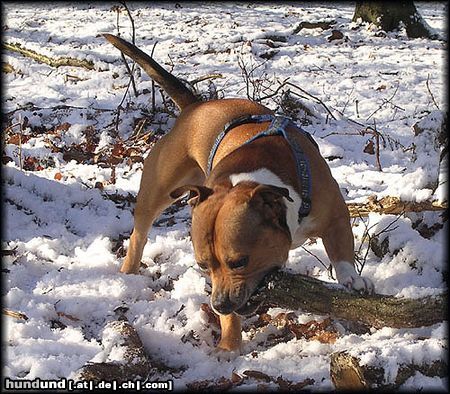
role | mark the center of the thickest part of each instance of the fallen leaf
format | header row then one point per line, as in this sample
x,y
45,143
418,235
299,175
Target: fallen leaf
x,y
62,127
335,35
257,375
286,385
236,379
212,317
369,148
18,138
323,332
67,316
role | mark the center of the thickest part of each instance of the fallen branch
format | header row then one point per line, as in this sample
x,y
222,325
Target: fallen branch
x,y
16,315
392,206
347,373
294,291
32,107
62,61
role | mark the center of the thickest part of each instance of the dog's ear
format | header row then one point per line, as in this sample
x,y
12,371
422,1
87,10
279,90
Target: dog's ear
x,y
197,193
267,199
270,193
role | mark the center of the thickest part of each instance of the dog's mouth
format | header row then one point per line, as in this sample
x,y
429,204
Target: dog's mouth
x,y
255,300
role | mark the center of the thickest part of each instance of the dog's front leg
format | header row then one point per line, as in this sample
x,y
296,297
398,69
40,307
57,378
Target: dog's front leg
x,y
231,336
339,245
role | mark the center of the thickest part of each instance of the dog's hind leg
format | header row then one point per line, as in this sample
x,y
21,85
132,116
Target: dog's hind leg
x,y
166,167
339,245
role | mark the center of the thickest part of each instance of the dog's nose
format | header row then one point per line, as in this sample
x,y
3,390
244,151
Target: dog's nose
x,y
222,304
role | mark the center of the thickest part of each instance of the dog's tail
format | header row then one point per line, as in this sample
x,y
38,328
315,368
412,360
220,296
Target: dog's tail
x,y
179,93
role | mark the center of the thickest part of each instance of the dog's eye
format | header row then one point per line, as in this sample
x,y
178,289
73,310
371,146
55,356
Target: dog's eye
x,y
238,264
203,266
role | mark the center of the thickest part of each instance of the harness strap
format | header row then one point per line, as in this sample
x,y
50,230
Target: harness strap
x,y
231,125
277,127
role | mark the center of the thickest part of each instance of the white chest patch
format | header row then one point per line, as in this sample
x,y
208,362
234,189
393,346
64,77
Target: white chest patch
x,y
266,177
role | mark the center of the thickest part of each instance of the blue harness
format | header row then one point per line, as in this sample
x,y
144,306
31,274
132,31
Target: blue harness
x,y
277,126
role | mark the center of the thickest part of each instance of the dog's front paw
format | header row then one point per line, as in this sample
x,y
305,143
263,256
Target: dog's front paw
x,y
347,276
359,283
226,355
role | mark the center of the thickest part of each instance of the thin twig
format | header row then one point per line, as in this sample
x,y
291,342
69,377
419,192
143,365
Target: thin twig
x,y
318,100
119,107
205,77
20,143
11,127
275,92
431,94
130,72
388,101
348,100
317,258
153,82
370,237
377,146
133,30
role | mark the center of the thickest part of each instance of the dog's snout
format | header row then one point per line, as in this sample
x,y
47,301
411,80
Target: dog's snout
x,y
222,304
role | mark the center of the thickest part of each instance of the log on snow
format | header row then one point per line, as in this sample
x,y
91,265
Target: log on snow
x,y
296,291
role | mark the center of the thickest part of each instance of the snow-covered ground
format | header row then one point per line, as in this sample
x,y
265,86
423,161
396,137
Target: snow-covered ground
x,y
72,168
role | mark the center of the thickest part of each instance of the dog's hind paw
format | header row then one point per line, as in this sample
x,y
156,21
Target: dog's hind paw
x,y
347,276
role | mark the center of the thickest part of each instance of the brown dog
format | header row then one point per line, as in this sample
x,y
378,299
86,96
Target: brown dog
x,y
253,198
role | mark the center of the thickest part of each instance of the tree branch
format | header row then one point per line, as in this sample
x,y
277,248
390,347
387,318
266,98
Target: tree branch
x,y
294,291
62,61
392,206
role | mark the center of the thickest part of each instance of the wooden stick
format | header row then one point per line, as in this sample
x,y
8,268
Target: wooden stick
x,y
17,315
62,61
392,206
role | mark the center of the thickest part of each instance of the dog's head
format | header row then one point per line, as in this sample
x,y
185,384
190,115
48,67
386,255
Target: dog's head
x,y
239,235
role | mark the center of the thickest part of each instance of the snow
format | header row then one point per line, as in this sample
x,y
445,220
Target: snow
x,y
65,232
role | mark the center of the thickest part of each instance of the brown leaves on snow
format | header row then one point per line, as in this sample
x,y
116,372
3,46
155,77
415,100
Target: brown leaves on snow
x,y
264,382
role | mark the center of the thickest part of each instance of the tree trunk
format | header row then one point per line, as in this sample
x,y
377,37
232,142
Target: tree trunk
x,y
388,14
296,291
